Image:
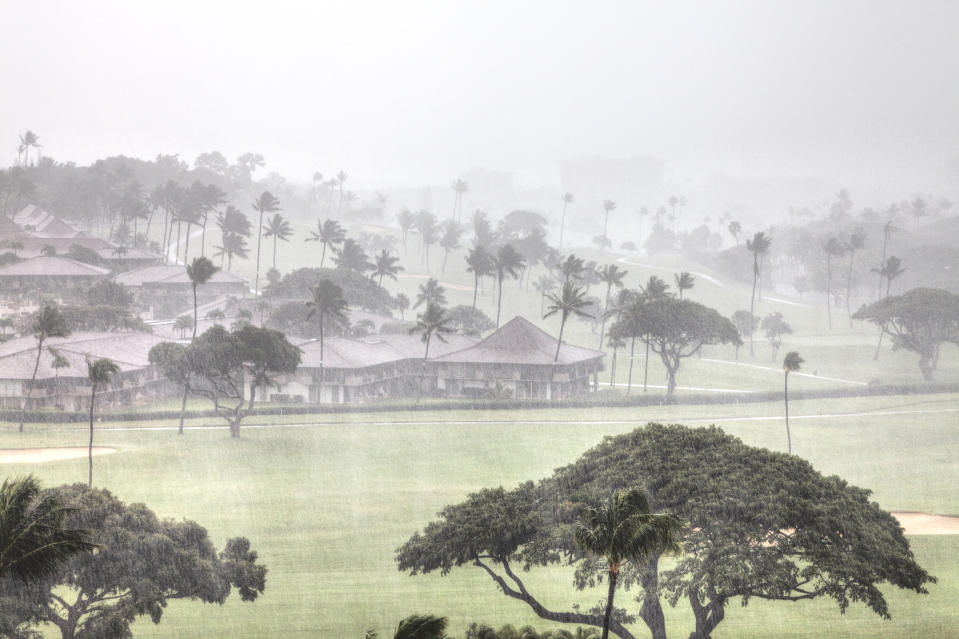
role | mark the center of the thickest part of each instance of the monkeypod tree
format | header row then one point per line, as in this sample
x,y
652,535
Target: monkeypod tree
x,y
678,329
141,563
920,320
761,525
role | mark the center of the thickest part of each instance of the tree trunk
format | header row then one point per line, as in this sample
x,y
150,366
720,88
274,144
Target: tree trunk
x,y
612,368
33,380
186,391
789,441
707,617
259,238
613,577
475,287
559,342
629,377
646,367
752,304
93,396
828,290
562,226
319,382
925,365
670,381
852,256
651,610
426,354
499,305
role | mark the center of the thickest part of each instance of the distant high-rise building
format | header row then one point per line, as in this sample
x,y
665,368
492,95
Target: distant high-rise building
x,y
631,182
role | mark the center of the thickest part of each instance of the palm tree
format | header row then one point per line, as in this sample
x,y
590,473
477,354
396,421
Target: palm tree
x,y
279,229
266,203
386,265
887,232
572,268
857,240
545,285
34,543
567,200
612,276
833,248
421,627
684,281
27,140
234,244
430,293
480,264
790,364
327,233
459,188
99,372
58,362
199,271
352,257
570,301
608,205
622,529
735,228
402,303
506,262
407,221
49,322
328,302
890,271
450,232
426,225
758,246
340,180
432,321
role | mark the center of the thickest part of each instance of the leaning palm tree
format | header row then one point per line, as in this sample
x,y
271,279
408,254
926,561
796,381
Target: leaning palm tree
x,y
49,322
890,271
570,301
199,271
432,321
421,627
684,282
790,365
328,302
279,229
622,529
480,263
611,275
459,188
567,200
430,293
857,240
99,372
27,140
266,203
386,265
608,206
507,262
450,232
832,248
407,220
329,233
758,246
34,542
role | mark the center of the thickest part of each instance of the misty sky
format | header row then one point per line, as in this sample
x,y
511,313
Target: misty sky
x,y
400,92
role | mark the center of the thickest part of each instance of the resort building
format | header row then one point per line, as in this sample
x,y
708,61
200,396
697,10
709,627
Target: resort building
x,y
62,381
166,291
58,276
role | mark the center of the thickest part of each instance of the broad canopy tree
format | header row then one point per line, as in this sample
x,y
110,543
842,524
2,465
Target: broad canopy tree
x,y
761,524
678,329
221,362
141,563
920,320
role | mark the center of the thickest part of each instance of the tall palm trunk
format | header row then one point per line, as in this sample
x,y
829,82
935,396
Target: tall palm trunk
x,y
602,330
476,283
646,370
559,342
852,256
613,578
274,251
93,396
789,441
629,377
829,289
562,225
319,382
499,305
752,304
259,239
419,388
33,380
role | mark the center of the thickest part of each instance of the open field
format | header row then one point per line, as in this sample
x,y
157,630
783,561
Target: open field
x,y
327,503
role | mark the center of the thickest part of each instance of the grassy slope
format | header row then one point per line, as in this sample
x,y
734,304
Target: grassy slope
x,y
327,505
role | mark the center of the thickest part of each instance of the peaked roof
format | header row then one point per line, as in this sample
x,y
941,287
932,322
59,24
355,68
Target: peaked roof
x,y
33,218
129,349
170,274
520,342
360,352
52,266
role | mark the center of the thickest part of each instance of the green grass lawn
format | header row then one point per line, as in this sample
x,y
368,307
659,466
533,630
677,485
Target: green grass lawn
x,y
327,504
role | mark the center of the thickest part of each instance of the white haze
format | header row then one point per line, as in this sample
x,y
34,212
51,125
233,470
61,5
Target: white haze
x,y
864,93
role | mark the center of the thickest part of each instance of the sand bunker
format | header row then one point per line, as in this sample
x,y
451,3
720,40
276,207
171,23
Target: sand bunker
x,y
38,455
923,524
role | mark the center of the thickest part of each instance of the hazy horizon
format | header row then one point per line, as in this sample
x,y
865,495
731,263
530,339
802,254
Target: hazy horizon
x,y
857,92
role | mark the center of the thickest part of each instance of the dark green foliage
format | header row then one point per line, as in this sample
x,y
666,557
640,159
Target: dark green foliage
x,y
421,627
360,292
35,540
142,562
87,256
760,525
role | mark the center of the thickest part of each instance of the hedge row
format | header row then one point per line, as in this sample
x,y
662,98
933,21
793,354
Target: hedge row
x,y
588,401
